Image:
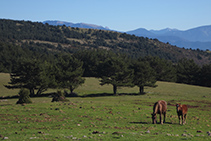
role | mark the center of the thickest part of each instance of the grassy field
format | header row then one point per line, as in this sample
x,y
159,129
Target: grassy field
x,y
100,117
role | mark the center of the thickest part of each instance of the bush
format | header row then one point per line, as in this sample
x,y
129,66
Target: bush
x,y
24,96
59,96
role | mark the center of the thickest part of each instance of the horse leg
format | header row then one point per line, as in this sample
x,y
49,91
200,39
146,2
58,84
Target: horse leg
x,y
185,116
161,122
179,119
164,120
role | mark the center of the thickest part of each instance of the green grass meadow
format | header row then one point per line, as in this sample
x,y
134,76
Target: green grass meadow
x,y
99,115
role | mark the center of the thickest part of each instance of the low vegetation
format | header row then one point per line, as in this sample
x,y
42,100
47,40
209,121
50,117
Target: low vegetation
x,y
97,114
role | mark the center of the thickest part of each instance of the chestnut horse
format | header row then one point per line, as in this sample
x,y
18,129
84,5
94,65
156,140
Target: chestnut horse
x,y
159,107
182,111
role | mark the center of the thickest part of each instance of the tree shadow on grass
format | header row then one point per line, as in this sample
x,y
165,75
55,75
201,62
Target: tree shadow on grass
x,y
75,95
111,94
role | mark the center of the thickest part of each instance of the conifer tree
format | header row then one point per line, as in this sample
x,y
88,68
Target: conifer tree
x,y
144,75
32,75
187,72
115,71
69,72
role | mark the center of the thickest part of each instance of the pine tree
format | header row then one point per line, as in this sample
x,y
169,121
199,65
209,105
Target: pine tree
x,y
187,72
69,72
205,76
115,71
144,75
32,75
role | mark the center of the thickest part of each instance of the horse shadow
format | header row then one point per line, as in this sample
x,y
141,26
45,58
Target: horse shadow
x,y
149,122
139,122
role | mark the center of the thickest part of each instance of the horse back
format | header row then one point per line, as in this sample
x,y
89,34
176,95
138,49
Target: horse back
x,y
184,109
163,105
160,107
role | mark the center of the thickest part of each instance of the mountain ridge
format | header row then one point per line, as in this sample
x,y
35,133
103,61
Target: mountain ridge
x,y
79,25
180,38
194,38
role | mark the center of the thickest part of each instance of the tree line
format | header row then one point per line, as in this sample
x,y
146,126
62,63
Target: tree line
x,y
67,71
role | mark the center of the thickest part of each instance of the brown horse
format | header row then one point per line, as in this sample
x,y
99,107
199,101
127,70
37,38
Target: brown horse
x,y
159,107
182,111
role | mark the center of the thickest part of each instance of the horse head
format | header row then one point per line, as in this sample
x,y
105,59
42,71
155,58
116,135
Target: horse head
x,y
154,118
178,105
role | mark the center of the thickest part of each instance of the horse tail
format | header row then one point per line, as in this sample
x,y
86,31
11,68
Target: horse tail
x,y
155,109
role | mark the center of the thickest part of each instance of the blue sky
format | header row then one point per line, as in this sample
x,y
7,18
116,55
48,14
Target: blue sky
x,y
121,15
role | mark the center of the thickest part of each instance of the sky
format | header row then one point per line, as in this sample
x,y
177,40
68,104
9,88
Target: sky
x,y
120,15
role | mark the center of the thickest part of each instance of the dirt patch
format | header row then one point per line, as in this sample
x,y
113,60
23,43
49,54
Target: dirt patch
x,y
190,106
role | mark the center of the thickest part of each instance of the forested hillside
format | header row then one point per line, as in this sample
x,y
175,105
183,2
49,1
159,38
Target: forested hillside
x,y
46,38
39,56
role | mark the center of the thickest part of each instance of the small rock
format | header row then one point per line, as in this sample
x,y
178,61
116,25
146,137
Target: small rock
x,y
184,135
6,138
69,136
147,132
199,131
168,134
177,135
197,135
190,135
85,136
32,138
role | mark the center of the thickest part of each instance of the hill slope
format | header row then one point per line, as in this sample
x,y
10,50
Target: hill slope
x,y
195,38
45,37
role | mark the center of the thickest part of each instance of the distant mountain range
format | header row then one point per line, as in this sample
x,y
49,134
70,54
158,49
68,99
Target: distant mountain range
x,y
79,25
195,38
